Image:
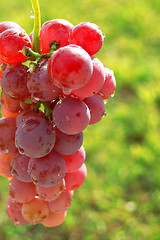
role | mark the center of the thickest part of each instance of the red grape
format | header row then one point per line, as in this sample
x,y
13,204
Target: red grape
x,y
67,144
14,81
21,191
109,85
35,137
97,108
71,116
54,220
75,160
35,211
5,165
70,67
14,212
47,171
88,36
12,42
54,30
75,179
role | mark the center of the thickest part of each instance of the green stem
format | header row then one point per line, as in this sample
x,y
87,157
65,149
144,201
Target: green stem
x,y
37,26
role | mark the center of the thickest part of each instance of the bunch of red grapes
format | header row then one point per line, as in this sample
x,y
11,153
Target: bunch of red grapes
x,y
44,112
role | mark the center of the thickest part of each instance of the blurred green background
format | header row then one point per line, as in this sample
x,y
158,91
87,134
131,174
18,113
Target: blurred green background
x,y
120,199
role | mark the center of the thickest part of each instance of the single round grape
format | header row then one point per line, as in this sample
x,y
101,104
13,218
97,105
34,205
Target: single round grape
x,y
5,165
9,25
35,211
19,167
75,160
12,42
7,136
97,108
47,171
95,83
26,114
50,193
54,30
13,210
14,81
61,204
88,36
54,220
75,179
21,191
67,144
35,137
109,85
40,86
71,116
70,67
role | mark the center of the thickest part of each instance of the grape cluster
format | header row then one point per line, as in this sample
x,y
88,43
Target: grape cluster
x,y
44,112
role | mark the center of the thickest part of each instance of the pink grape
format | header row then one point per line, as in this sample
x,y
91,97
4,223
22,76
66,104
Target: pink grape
x,y
75,179
71,116
40,86
21,191
95,83
35,137
88,36
67,144
19,167
97,108
7,130
50,193
13,210
62,203
35,211
47,171
10,103
14,81
75,160
70,67
54,30
109,85
12,42
54,220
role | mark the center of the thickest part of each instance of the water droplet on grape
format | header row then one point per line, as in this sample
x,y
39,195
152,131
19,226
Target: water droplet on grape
x,y
113,94
67,118
32,14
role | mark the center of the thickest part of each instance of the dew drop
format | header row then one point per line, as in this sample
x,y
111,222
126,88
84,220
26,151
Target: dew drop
x,y
32,14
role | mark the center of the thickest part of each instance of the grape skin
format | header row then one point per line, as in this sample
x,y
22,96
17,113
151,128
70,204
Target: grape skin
x,y
67,144
11,42
21,191
71,122
47,171
35,211
14,81
5,165
13,210
88,36
70,67
35,137
54,220
55,30
9,25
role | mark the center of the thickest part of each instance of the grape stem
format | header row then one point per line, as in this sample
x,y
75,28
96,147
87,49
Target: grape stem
x,y
37,26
